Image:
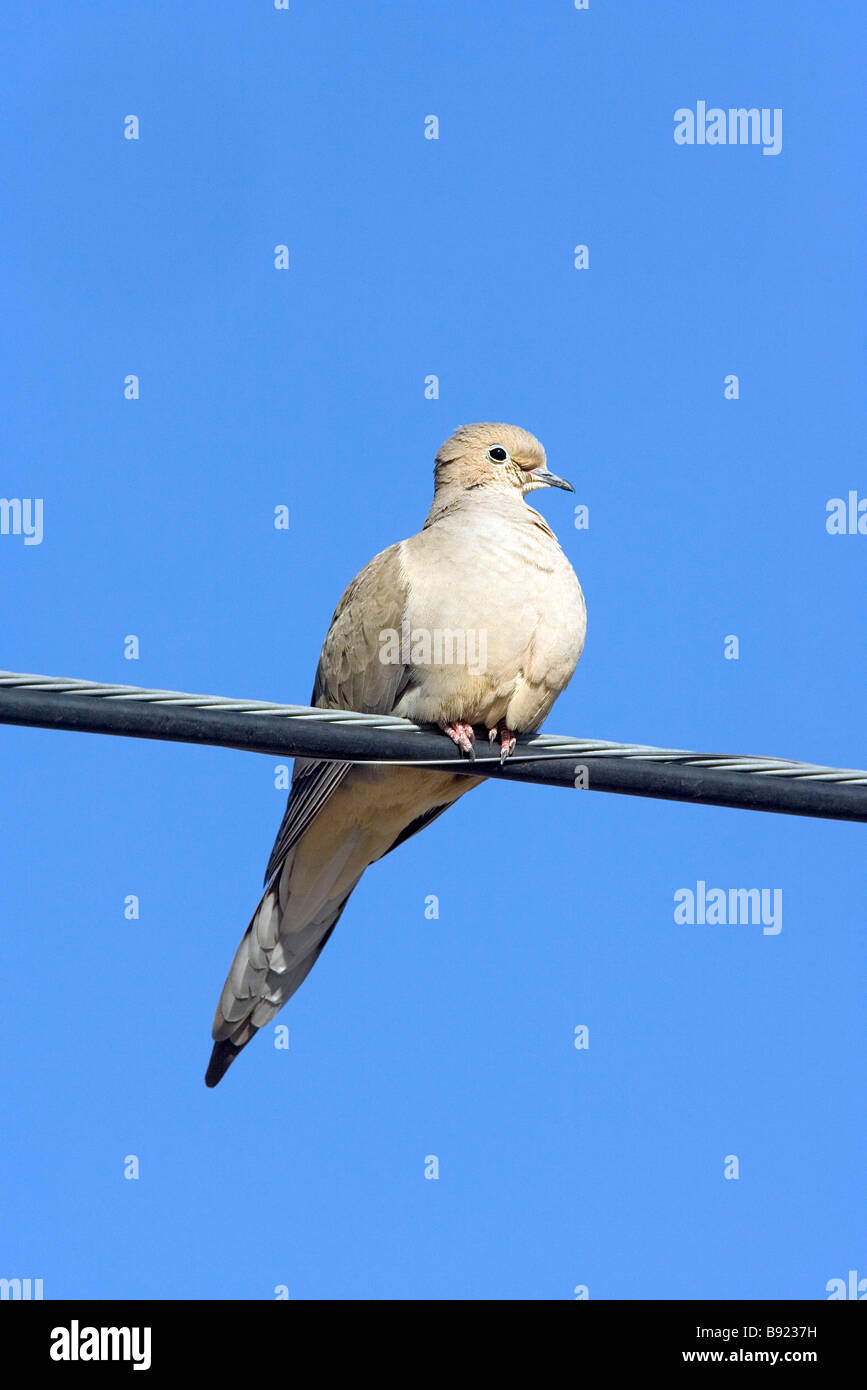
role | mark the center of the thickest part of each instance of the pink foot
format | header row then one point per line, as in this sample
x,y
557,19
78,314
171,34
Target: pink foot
x,y
462,734
507,740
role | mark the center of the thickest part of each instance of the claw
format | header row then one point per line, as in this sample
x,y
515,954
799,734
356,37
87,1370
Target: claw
x,y
462,734
507,740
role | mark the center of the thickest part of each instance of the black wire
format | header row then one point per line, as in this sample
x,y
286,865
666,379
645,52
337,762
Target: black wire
x,y
282,736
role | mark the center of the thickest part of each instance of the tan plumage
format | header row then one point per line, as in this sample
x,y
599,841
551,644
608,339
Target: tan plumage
x,y
484,563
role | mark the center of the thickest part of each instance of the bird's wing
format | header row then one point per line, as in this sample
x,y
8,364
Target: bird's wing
x,y
282,943
340,817
313,781
350,675
358,668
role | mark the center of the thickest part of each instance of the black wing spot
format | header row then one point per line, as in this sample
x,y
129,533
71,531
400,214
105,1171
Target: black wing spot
x,y
416,825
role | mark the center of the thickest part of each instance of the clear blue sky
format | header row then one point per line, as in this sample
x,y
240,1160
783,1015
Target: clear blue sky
x,y
408,257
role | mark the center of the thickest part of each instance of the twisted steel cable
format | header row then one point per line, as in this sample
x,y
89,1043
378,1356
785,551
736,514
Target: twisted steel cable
x,y
756,783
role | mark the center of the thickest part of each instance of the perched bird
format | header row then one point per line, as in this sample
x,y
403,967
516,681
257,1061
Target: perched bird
x,y
477,620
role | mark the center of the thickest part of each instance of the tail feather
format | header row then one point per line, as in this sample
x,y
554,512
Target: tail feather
x,y
222,1057
305,897
264,976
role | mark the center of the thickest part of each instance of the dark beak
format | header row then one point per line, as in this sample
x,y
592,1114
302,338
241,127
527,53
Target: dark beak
x,y
549,479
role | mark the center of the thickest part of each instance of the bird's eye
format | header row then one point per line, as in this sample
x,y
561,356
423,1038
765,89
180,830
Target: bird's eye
x,y
497,454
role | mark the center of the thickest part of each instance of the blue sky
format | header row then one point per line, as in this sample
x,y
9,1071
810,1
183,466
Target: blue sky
x,y
558,1167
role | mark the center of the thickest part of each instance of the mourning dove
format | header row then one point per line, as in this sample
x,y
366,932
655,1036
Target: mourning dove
x,y
477,620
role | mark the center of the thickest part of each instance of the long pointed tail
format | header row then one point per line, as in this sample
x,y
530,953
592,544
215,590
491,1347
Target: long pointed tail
x,y
267,969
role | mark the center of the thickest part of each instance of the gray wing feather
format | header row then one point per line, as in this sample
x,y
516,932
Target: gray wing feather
x,y
350,675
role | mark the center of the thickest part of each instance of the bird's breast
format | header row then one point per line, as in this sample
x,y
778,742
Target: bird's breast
x,y
489,609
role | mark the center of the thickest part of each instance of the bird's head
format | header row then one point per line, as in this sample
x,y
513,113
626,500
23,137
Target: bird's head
x,y
502,457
